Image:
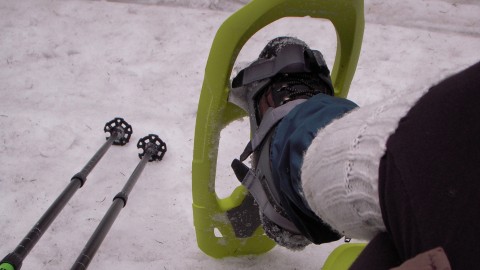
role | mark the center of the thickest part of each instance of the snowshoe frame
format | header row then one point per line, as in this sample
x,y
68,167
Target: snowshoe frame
x,y
215,112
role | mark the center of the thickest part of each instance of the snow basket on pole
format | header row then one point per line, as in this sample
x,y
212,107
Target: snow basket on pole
x,y
211,213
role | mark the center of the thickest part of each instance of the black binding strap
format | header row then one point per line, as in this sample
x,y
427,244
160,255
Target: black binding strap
x,y
293,58
250,180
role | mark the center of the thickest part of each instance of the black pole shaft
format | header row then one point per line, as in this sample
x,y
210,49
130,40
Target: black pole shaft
x,y
82,175
119,201
29,241
44,222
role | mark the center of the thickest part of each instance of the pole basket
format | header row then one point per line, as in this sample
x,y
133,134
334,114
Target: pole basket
x,y
119,128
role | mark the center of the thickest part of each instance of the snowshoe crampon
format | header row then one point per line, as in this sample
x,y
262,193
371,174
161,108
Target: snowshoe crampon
x,y
236,217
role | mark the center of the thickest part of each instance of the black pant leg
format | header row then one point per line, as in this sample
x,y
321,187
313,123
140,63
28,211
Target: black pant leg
x,y
379,254
429,178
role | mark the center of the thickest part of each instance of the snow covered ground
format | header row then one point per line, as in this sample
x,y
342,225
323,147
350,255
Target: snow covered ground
x,y
67,67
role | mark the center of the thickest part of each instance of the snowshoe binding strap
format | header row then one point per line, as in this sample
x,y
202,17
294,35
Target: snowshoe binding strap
x,y
260,185
293,58
272,117
269,89
252,182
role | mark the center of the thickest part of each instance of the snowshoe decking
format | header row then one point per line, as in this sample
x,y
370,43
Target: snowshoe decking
x,y
236,217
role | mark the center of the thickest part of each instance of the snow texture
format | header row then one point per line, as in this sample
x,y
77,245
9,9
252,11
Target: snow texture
x,y
68,67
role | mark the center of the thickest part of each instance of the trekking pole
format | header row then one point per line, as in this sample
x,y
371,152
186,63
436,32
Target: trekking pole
x,y
153,149
120,132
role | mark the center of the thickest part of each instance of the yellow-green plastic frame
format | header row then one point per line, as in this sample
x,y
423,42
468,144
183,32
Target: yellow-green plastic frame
x,y
343,256
215,112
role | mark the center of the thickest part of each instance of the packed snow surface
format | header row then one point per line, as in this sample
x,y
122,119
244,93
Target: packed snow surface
x,y
68,67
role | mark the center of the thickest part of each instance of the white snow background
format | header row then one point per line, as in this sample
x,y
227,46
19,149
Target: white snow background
x,y
68,67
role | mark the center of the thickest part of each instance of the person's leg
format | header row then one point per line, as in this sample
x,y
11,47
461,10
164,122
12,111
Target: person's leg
x,y
429,178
